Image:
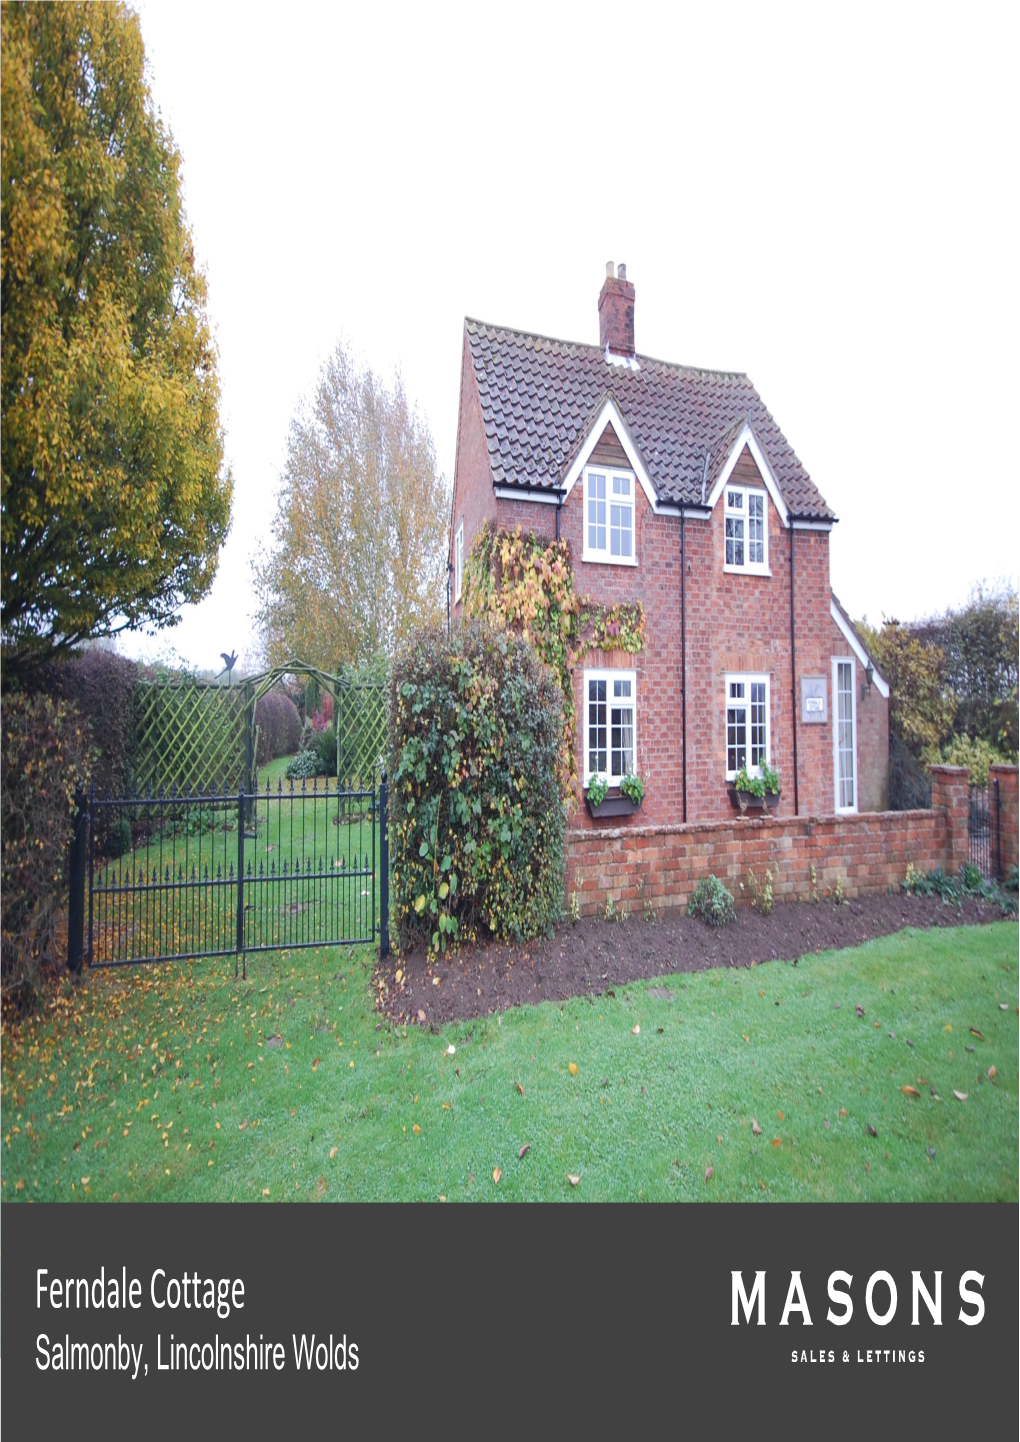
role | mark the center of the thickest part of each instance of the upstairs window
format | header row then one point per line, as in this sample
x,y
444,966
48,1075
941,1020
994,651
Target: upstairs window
x,y
458,563
747,539
747,724
609,516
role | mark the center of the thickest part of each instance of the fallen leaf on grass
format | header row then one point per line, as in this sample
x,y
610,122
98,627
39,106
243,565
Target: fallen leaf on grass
x,y
416,1129
777,1142
523,1151
497,1172
931,1152
859,1010
909,1091
572,1068
974,1032
960,1096
992,1071
1004,1006
746,1038
573,1180
947,1027
635,1031
709,1173
519,1088
332,1152
755,1127
265,1191
451,1050
241,1126
871,1131
842,1111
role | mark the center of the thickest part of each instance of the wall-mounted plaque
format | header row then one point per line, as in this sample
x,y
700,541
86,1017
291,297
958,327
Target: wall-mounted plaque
x,y
814,705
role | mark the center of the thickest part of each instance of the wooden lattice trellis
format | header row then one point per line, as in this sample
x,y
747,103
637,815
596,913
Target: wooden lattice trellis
x,y
187,734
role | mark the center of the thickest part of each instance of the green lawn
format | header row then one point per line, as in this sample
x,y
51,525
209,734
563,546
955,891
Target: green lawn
x,y
308,861
175,1082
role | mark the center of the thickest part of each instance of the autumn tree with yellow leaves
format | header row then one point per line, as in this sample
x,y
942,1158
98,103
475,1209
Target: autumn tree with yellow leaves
x,y
359,549
115,500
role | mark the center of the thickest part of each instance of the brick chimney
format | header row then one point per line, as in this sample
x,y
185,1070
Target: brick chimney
x,y
616,312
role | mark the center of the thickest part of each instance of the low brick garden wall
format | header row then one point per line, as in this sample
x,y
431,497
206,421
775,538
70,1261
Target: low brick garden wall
x,y
657,867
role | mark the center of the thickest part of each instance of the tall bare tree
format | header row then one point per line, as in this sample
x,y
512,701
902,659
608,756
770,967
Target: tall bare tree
x,y
360,530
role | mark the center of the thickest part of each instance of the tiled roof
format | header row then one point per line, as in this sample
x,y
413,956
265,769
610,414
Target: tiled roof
x,y
540,397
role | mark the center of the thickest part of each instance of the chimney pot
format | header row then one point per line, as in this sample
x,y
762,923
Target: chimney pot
x,y
621,274
609,269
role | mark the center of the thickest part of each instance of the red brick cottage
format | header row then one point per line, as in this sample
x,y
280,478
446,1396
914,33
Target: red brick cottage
x,y
675,487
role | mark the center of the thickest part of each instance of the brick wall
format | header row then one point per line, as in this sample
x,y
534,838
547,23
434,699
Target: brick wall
x,y
473,498
1009,816
657,867
950,794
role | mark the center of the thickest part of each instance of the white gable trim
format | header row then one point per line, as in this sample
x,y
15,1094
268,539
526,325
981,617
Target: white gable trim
x,y
746,438
610,414
849,635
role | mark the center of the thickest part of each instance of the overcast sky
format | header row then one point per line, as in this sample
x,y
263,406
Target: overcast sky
x,y
823,197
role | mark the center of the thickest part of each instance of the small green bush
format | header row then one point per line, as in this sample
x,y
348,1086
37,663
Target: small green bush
x,y
952,889
303,766
710,902
477,823
118,837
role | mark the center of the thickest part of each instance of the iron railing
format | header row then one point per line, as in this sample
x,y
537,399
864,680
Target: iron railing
x,y
983,829
216,874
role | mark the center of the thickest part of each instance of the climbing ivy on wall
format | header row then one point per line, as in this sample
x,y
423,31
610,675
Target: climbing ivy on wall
x,y
526,584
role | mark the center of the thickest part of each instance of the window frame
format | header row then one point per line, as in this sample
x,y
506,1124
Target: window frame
x,y
458,563
604,557
749,678
838,661
608,675
749,568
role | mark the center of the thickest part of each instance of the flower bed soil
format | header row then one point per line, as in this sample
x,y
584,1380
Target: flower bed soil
x,y
588,957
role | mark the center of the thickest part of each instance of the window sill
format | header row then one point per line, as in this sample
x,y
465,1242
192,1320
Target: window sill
x,y
596,558
747,570
613,806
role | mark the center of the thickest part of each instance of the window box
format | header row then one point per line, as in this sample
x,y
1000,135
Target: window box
x,y
613,805
747,801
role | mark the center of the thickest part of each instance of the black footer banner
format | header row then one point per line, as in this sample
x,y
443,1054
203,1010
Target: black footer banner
x,y
828,1320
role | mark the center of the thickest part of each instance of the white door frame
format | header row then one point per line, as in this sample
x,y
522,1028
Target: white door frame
x,y
838,661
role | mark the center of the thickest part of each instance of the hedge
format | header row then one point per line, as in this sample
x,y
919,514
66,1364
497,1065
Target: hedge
x,y
476,813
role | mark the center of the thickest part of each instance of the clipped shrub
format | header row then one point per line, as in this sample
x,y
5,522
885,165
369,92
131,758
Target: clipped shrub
x,y
477,822
45,753
710,902
303,766
279,726
100,685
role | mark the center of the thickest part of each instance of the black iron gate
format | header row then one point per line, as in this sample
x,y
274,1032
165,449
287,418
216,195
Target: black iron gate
x,y
160,878
983,829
